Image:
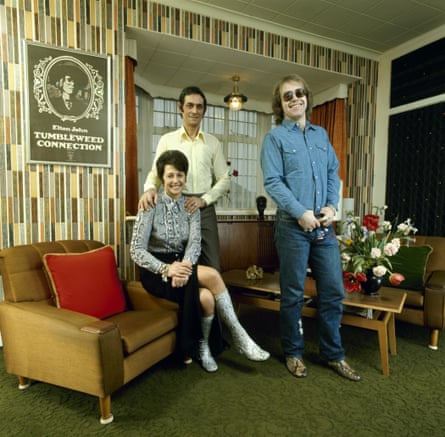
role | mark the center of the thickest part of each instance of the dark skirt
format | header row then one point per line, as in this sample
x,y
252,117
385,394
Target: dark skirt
x,y
189,317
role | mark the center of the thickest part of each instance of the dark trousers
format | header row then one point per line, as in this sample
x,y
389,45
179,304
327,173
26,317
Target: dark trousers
x,y
209,238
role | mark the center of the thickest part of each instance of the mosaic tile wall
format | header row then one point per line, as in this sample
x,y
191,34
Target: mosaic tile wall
x,y
41,202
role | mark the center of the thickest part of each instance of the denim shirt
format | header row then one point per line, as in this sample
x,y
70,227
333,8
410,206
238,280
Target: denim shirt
x,y
300,168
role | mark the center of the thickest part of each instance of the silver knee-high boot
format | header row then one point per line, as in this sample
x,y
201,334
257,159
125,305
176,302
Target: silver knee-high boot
x,y
205,356
241,339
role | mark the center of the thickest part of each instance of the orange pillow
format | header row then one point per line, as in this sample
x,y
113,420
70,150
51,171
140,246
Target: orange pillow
x,y
86,282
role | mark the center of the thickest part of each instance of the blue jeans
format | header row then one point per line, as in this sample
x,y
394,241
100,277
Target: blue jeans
x,y
296,249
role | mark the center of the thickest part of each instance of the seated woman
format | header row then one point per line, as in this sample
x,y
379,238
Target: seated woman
x,y
166,244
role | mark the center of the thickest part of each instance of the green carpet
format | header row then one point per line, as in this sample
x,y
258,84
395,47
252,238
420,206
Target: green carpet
x,y
253,399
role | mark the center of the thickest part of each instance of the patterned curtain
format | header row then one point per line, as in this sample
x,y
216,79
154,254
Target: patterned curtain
x,y
332,116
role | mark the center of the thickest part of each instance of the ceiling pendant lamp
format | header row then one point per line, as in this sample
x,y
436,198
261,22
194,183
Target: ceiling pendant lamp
x,y
235,99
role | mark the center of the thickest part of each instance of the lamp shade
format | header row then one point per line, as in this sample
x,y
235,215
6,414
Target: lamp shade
x,y
235,99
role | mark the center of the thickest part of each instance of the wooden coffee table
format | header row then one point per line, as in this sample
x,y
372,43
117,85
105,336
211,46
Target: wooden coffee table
x,y
265,293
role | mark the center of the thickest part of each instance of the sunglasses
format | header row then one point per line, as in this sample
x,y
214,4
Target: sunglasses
x,y
289,95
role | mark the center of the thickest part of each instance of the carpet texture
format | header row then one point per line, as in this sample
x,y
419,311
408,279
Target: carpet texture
x,y
253,399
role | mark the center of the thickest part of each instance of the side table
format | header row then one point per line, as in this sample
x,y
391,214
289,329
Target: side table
x,y
265,293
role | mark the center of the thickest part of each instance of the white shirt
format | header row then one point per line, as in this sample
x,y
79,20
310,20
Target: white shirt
x,y
208,171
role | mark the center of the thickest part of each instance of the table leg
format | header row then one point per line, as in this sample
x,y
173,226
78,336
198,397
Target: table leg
x,y
383,345
237,307
236,303
382,333
392,335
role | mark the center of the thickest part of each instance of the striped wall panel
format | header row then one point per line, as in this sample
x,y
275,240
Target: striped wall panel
x,y
42,202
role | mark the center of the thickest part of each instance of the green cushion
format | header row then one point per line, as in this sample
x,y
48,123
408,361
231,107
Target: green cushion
x,y
411,263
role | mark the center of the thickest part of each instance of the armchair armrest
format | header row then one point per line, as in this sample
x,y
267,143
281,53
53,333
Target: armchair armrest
x,y
46,343
141,299
435,300
98,327
436,280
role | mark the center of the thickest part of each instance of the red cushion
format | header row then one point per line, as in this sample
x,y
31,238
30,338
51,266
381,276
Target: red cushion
x,y
86,282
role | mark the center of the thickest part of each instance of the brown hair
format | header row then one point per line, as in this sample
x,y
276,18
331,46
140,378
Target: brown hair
x,y
188,91
172,157
276,97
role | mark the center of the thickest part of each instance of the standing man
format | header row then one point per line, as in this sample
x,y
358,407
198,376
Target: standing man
x,y
300,171
208,176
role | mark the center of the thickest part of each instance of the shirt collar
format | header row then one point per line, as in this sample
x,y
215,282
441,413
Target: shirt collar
x,y
169,201
185,136
289,124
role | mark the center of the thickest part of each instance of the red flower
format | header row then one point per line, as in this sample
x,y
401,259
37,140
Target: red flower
x,y
351,283
361,277
396,278
371,222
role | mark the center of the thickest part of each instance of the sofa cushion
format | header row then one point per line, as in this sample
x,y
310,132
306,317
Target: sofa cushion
x,y
86,282
411,263
138,328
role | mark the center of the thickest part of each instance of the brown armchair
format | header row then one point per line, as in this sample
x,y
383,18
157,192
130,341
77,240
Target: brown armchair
x,y
426,307
73,350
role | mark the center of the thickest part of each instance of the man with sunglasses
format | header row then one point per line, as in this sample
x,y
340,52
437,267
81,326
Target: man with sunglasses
x,y
300,172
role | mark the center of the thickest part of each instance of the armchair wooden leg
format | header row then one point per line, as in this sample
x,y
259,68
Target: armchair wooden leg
x,y
434,339
105,410
24,383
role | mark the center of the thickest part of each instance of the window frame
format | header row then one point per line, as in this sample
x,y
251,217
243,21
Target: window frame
x,y
225,125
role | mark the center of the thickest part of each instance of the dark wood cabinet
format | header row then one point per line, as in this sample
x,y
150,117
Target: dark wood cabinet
x,y
245,243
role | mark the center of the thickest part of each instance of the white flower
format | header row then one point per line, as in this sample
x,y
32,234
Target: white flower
x,y
345,257
379,271
386,226
396,242
375,253
406,227
403,227
391,249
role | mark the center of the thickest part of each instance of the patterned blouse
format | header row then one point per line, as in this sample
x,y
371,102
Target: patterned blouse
x,y
166,228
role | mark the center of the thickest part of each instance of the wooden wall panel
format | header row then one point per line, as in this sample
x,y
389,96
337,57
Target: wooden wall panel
x,y
246,243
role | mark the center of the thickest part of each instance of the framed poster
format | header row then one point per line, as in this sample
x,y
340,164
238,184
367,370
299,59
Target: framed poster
x,y
68,106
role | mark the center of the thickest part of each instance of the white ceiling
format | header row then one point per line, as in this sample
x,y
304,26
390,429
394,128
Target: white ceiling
x,y
166,64
373,24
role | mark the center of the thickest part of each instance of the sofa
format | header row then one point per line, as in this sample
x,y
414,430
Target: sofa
x,y
45,341
425,302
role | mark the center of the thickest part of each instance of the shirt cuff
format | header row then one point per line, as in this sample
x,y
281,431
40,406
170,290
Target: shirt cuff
x,y
207,199
149,187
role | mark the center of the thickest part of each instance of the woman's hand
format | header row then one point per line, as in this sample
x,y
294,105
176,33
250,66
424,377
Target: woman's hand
x,y
180,272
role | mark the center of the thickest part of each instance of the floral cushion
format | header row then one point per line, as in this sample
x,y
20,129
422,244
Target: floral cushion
x,y
86,282
411,263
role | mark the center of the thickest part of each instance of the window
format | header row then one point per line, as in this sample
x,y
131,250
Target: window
x,y
240,132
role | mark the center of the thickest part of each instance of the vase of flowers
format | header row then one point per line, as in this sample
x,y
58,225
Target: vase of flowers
x,y
372,284
366,250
